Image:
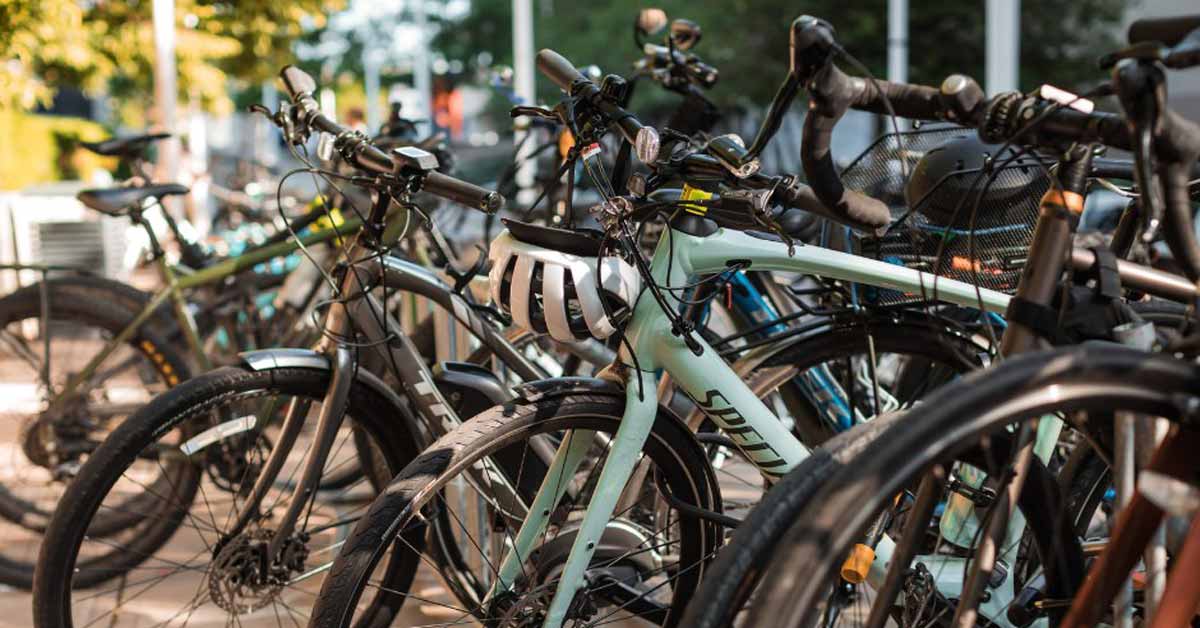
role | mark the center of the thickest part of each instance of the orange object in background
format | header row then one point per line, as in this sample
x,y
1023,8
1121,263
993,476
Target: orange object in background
x,y
447,111
566,141
965,264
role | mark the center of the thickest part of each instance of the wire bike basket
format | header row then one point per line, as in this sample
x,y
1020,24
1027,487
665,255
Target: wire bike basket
x,y
960,209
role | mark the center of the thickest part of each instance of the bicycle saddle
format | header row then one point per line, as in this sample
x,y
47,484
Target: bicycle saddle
x,y
585,242
124,146
116,201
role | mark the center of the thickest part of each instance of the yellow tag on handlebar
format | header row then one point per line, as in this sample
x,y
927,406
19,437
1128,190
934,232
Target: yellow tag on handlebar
x,y
695,194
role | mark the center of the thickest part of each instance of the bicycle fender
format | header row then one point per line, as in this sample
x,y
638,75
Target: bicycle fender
x,y
470,388
280,358
532,392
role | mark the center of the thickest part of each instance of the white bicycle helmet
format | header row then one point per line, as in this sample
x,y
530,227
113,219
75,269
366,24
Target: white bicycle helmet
x,y
555,290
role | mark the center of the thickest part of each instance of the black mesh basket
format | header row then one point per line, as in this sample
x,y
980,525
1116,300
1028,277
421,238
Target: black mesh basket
x,y
986,248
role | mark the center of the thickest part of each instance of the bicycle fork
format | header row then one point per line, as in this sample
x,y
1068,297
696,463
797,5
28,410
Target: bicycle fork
x,y
641,407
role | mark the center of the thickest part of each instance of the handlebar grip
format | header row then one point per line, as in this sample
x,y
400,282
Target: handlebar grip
x,y
908,100
463,193
1167,30
556,68
297,82
800,196
845,206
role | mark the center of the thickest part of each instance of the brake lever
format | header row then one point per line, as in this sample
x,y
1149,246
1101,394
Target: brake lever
x,y
532,112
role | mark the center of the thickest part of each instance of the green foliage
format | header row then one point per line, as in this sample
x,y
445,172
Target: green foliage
x,y
37,32
111,45
748,39
48,149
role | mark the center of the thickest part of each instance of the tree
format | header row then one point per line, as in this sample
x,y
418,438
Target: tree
x,y
109,45
37,32
748,39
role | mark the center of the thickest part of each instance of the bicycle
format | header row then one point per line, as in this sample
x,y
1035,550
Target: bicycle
x,y
49,326
845,508
695,244
219,422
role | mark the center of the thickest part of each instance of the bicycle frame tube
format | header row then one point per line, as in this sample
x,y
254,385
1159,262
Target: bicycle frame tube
x,y
254,257
177,283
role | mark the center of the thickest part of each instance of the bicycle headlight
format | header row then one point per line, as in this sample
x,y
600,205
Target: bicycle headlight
x,y
646,145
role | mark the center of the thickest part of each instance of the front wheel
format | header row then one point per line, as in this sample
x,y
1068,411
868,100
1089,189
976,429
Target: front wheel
x,y
191,457
651,557
957,445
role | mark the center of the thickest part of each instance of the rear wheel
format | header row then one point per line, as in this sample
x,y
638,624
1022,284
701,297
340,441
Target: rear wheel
x,y
43,449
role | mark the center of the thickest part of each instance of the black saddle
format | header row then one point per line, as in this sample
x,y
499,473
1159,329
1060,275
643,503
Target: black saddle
x,y
116,201
124,146
584,242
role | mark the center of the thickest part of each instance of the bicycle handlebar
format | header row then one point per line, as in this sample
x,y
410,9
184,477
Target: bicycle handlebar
x,y
1168,31
358,150
462,192
852,208
694,70
562,73
999,119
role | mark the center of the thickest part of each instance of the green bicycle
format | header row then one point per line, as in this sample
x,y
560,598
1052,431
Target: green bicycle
x,y
79,352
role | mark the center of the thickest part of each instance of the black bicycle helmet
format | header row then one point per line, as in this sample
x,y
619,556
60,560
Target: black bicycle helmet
x,y
950,172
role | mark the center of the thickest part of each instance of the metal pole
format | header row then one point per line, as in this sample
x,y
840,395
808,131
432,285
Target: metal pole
x,y
165,94
422,78
1003,52
897,59
897,48
371,63
525,87
1125,473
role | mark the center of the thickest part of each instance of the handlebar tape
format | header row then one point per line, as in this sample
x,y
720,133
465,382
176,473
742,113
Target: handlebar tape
x,y
1167,30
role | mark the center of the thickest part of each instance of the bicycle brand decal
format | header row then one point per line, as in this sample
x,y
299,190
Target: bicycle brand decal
x,y
742,433
436,404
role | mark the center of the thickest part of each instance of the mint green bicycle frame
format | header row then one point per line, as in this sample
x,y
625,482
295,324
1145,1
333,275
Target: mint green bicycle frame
x,y
708,379
177,283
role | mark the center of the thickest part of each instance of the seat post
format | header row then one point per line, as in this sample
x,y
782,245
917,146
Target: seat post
x,y
138,218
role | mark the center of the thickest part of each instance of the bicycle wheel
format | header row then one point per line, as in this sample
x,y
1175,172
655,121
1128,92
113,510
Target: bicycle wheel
x,y
970,422
651,556
188,559
829,378
862,365
42,450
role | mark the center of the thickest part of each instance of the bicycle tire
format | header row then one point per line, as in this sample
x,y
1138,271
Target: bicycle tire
x,y
91,306
59,570
421,482
1062,380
